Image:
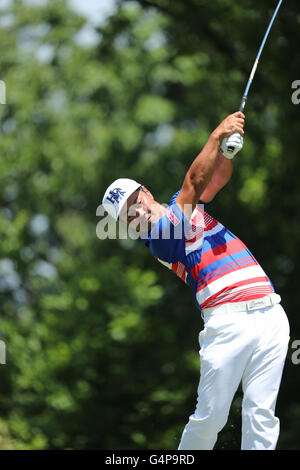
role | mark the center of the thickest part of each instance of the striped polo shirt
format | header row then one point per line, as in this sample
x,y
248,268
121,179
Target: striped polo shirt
x,y
210,259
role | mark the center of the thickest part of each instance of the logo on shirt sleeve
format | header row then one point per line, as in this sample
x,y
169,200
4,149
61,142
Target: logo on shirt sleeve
x,y
172,217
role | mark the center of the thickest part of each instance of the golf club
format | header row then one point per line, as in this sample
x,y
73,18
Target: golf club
x,y
245,95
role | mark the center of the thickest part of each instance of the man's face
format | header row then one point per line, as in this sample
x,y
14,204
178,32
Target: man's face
x,y
141,211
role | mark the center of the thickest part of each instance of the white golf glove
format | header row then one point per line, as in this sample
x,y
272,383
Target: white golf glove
x,y
231,145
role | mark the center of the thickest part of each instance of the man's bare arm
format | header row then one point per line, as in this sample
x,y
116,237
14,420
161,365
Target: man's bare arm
x,y
202,168
221,175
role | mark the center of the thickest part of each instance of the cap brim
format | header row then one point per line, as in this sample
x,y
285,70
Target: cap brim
x,y
124,202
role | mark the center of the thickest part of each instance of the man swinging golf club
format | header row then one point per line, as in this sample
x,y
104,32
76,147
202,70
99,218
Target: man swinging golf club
x,y
246,331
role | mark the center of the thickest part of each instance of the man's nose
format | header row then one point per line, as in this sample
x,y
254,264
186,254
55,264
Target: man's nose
x,y
140,211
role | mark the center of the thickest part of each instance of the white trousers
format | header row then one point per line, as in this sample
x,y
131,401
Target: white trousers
x,y
248,347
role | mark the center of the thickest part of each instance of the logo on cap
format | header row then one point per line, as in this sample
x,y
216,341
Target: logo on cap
x,y
115,195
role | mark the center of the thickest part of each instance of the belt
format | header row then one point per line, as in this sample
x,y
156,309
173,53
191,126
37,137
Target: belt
x,y
250,305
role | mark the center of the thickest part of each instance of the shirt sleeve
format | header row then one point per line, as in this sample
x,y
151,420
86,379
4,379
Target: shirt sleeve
x,y
167,238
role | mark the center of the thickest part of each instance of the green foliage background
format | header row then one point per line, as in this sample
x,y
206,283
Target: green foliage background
x,y
101,340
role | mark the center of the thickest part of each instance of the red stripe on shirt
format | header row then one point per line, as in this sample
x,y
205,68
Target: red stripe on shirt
x,y
217,253
231,267
225,269
221,251
240,296
239,284
179,269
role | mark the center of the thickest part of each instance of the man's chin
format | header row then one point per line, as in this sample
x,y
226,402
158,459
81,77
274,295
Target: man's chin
x,y
145,229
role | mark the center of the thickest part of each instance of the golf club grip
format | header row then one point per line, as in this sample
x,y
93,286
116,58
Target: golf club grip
x,y
242,107
243,104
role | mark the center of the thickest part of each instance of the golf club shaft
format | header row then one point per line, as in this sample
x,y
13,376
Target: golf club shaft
x,y
245,95
244,99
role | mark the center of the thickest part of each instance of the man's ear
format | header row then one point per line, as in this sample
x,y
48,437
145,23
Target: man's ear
x,y
147,192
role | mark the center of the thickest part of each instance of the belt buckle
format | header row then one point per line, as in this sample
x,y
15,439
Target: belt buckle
x,y
258,303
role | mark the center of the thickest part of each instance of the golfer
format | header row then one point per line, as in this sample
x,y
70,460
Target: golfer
x,y
246,331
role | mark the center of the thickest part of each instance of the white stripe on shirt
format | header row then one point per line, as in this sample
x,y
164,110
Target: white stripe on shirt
x,y
229,279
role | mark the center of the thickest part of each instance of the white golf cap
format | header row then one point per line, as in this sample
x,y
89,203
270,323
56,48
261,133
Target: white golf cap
x,y
117,194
